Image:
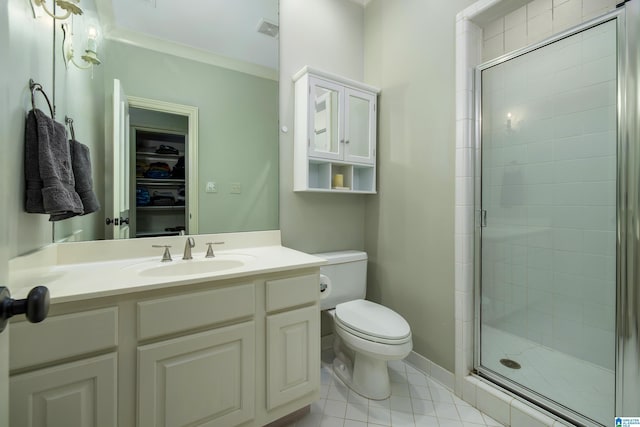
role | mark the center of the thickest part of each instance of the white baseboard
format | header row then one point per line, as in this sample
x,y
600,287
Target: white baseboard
x,y
432,369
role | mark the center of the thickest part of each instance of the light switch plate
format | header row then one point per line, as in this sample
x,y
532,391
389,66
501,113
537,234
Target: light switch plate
x,y
211,187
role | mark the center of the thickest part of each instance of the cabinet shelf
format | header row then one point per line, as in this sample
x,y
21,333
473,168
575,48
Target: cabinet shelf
x,y
160,181
152,208
160,156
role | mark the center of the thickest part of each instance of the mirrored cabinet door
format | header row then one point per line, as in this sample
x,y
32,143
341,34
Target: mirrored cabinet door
x,y
326,130
360,132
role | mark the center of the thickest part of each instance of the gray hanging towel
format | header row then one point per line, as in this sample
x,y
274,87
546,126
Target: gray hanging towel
x,y
57,196
33,203
81,163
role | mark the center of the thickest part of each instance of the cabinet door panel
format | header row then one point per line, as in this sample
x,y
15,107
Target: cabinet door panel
x,y
205,379
325,121
293,355
360,132
78,394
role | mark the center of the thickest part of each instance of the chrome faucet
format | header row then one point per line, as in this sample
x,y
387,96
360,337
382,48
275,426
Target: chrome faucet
x,y
190,243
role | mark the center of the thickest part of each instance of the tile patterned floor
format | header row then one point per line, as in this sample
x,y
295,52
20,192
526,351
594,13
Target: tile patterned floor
x,y
416,400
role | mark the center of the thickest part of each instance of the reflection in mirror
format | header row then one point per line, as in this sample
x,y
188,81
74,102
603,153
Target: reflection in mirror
x,y
235,92
325,134
160,143
359,128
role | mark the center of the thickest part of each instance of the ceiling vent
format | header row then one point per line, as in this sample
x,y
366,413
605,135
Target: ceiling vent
x,y
268,28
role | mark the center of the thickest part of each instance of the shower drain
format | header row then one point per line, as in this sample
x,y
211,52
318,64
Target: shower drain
x,y
511,364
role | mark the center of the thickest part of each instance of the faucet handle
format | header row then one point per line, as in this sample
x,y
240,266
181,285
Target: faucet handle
x,y
210,253
190,243
166,256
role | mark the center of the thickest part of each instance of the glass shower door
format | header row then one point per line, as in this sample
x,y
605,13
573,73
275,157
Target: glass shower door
x,y
548,234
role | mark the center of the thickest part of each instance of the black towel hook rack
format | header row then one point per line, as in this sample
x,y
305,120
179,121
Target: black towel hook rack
x,y
38,87
69,121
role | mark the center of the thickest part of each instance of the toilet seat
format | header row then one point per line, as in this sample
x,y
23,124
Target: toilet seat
x,y
373,322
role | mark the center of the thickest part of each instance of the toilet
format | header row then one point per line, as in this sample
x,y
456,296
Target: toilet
x,y
367,335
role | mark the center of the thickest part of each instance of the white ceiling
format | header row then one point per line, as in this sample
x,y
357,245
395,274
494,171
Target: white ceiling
x,y
223,27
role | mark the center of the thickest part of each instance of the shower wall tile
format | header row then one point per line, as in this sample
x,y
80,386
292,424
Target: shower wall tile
x,y
494,46
517,18
567,15
539,27
515,38
536,21
538,7
493,29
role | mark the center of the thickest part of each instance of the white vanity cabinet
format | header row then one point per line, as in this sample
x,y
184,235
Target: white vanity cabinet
x,y
232,352
334,133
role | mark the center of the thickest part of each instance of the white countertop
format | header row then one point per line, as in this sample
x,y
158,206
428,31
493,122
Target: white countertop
x,y
85,280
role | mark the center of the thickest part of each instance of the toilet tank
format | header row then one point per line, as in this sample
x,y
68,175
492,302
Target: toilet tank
x,y
345,277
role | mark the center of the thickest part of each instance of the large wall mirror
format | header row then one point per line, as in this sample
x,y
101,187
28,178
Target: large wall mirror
x,y
201,79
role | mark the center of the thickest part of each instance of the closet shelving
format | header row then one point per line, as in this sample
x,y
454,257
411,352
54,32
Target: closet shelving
x,y
166,211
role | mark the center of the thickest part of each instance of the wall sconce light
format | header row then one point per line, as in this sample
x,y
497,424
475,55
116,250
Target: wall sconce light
x,y
90,56
70,6
509,121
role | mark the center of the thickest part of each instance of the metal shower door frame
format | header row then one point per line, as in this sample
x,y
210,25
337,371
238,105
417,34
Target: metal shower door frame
x,y
627,375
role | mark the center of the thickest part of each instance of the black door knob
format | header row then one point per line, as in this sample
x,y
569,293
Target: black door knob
x,y
35,306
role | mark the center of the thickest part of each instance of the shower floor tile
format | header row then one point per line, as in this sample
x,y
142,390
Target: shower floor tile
x,y
416,401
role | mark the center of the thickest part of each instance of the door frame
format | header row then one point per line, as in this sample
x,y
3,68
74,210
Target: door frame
x,y
192,184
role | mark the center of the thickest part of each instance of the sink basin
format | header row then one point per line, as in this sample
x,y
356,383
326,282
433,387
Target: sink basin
x,y
192,267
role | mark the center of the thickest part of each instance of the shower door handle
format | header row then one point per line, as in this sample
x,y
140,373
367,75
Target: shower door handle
x,y
483,218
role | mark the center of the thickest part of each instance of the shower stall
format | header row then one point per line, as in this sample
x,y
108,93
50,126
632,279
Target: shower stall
x,y
558,221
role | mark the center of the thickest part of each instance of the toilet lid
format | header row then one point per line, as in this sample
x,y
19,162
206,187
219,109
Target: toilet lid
x,y
372,319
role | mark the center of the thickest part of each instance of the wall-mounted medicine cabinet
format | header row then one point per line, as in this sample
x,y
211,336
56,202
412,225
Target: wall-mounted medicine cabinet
x,y
334,133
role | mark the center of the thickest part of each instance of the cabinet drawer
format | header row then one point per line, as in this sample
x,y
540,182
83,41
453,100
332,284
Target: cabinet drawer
x,y
61,337
292,291
175,314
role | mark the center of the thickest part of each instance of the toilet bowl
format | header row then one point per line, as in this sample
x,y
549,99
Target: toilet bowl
x,y
366,335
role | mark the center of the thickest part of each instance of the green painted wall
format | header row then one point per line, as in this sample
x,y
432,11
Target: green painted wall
x,y
410,54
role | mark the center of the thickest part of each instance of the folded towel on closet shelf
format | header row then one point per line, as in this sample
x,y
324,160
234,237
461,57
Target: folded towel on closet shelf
x,y
158,170
143,198
167,149
49,176
163,198
81,165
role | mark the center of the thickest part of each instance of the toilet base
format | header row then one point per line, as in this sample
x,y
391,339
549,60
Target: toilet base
x,y
367,376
